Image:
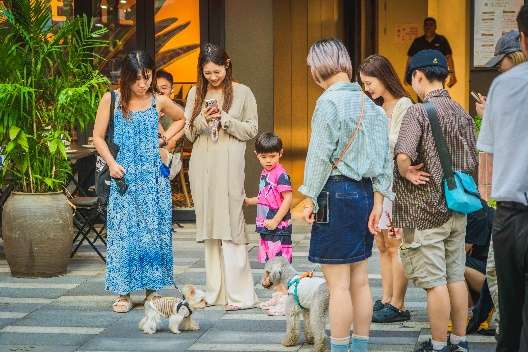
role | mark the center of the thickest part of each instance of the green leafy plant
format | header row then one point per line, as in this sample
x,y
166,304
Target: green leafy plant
x,y
49,84
477,120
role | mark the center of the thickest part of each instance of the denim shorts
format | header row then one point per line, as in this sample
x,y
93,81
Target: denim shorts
x,y
345,238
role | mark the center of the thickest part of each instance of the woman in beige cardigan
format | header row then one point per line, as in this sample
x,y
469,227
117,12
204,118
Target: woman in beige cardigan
x,y
221,117
382,84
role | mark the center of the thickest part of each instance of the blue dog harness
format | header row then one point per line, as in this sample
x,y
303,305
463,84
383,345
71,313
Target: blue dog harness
x,y
294,282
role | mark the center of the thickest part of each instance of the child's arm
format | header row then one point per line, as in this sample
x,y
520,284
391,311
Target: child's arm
x,y
251,201
281,213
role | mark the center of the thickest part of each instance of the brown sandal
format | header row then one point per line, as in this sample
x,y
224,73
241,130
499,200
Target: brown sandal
x,y
122,304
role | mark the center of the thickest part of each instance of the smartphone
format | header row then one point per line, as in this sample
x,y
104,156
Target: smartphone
x,y
211,103
476,97
323,214
121,185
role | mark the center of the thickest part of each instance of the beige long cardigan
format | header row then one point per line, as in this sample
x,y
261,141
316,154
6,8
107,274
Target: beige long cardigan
x,y
216,170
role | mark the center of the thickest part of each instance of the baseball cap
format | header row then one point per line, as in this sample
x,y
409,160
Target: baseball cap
x,y
425,58
507,44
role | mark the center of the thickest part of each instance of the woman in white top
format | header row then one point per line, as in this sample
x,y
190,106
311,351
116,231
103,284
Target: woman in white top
x,y
383,85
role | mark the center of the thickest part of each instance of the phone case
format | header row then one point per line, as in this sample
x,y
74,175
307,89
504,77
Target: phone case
x,y
323,214
121,185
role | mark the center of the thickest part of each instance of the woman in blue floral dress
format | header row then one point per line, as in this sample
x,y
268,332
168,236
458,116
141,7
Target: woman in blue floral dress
x,y
139,222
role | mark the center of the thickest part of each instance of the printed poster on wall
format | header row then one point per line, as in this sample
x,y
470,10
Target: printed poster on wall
x,y
492,19
405,33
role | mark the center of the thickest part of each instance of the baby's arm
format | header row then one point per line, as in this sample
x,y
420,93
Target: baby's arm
x,y
251,201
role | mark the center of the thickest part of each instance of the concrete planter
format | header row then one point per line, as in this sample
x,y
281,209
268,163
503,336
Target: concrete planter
x,y
38,232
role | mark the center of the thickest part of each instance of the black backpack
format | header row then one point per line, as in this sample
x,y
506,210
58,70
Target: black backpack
x,y
102,172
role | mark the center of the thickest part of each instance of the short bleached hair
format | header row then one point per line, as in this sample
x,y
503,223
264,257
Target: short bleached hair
x,y
328,57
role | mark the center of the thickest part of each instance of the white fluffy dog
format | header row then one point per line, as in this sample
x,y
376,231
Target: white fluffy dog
x,y
177,310
307,295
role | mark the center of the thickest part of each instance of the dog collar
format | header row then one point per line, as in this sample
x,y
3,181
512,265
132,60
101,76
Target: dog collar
x,y
186,304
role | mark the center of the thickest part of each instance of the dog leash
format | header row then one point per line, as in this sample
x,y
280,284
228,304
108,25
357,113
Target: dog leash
x,y
179,292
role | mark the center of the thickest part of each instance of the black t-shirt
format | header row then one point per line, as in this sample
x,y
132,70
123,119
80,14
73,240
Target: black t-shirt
x,y
439,42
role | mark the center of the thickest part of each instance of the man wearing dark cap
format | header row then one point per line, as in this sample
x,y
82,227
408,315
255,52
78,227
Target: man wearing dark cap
x,y
432,250
503,134
433,41
507,54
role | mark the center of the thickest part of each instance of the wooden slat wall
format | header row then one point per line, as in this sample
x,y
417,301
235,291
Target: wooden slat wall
x,y
297,24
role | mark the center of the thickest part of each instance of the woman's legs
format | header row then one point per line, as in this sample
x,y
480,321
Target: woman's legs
x,y
239,285
214,268
361,298
340,307
399,280
386,267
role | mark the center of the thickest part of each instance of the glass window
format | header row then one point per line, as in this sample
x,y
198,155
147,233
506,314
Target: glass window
x,y
177,27
119,16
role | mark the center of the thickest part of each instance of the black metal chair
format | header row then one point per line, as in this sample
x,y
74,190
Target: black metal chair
x,y
87,215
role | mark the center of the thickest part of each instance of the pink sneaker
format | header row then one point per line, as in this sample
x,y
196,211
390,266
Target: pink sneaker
x,y
271,302
279,309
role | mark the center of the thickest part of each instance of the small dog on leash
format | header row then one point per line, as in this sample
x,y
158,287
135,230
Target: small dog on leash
x,y
177,310
307,295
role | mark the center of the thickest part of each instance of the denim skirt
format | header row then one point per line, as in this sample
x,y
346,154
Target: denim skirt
x,y
343,236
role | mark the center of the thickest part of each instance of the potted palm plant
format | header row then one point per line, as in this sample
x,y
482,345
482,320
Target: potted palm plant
x,y
49,85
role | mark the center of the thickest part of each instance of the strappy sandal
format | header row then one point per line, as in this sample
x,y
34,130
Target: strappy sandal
x,y
122,304
234,307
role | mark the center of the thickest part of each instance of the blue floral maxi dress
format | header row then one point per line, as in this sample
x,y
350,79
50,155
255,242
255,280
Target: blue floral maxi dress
x,y
140,221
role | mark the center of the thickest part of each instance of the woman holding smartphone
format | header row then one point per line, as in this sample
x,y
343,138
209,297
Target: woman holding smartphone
x,y
221,117
348,172
139,214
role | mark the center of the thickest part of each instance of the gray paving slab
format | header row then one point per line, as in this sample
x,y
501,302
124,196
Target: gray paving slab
x,y
74,318
7,338
219,336
161,342
32,348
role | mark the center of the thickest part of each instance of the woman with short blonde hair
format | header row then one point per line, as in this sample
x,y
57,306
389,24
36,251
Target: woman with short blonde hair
x,y
348,172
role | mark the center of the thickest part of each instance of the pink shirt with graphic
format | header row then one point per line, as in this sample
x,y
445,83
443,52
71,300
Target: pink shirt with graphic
x,y
272,184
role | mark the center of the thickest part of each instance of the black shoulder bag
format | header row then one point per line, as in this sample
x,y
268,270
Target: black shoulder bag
x,y
102,172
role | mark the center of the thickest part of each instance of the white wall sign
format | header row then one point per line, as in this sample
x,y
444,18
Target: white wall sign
x,y
492,19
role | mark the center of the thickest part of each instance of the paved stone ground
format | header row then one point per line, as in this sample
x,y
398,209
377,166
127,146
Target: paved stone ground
x,y
73,312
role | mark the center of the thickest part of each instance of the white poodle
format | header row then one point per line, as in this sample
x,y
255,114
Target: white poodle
x,y
307,295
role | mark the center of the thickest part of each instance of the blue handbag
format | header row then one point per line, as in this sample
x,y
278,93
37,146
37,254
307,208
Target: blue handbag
x,y
460,190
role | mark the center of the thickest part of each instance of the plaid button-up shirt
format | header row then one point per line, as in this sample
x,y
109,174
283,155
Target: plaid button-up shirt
x,y
423,207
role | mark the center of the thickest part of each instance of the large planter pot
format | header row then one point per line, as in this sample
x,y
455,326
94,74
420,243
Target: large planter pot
x,y
38,232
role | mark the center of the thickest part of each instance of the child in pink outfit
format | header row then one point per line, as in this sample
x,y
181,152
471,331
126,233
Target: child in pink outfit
x,y
273,210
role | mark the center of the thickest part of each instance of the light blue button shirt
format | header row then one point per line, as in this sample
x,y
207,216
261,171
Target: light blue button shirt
x,y
333,122
503,133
